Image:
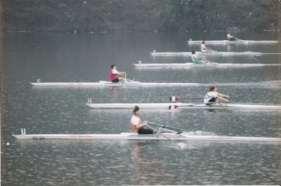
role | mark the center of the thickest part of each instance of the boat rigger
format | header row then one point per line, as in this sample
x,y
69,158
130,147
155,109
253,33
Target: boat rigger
x,y
235,42
254,107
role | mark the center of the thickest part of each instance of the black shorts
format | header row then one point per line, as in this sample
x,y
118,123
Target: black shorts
x,y
115,80
144,130
212,101
232,39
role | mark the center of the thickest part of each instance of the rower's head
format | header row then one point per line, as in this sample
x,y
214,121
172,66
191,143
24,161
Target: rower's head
x,y
212,88
112,66
203,41
193,52
136,109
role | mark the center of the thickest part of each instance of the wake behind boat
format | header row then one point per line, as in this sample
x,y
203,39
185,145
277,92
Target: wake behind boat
x,y
211,53
183,105
235,42
157,66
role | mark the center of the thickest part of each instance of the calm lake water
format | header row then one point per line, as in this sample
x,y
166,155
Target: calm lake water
x,y
85,57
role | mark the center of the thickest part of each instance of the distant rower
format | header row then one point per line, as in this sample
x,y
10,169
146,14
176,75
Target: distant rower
x,y
173,101
203,47
213,96
194,58
230,37
115,76
137,125
198,60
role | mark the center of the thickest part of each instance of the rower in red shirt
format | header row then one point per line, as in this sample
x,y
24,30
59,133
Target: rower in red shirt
x,y
115,76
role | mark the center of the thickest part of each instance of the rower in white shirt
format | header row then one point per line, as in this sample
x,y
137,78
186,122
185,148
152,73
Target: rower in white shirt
x,y
137,125
213,96
231,37
203,47
194,58
198,59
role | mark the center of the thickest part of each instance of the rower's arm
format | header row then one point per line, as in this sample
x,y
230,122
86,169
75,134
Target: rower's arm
x,y
237,38
136,127
141,124
222,99
223,96
124,75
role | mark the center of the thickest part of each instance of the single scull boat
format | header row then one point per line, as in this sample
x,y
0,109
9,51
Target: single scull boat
x,y
212,53
181,105
185,136
137,84
157,66
235,42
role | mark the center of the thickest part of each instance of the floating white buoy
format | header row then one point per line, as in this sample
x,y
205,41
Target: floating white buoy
x,y
8,144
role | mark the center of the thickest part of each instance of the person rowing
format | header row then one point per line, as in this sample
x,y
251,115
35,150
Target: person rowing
x,y
137,125
173,100
213,96
203,47
231,37
115,76
195,58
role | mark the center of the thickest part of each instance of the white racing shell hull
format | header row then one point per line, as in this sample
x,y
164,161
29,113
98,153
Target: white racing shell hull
x,y
157,66
237,42
162,136
211,53
181,105
137,84
129,84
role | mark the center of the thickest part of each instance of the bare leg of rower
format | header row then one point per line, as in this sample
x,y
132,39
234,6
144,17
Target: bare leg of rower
x,y
123,76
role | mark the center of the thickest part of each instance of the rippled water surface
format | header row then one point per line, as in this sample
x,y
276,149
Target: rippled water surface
x,y
66,57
